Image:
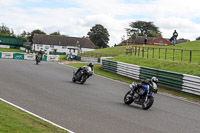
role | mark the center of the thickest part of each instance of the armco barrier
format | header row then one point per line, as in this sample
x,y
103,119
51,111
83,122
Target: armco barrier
x,y
88,59
18,56
128,70
7,55
172,80
191,84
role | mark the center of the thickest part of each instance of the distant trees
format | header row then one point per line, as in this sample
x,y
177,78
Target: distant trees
x,y
55,33
99,36
198,38
142,28
6,32
30,37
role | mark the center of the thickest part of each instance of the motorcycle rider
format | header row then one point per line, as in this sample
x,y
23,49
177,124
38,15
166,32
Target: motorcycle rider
x,y
144,82
87,67
40,54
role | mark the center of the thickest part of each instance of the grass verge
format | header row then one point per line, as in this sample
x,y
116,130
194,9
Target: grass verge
x,y
13,120
11,50
99,71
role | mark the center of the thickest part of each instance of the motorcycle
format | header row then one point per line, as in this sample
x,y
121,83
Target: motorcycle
x,y
38,59
82,75
142,96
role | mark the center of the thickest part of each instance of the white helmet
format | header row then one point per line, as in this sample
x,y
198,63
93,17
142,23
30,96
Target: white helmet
x,y
154,79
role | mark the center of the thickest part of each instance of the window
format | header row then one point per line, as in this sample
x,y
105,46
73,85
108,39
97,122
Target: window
x,y
161,41
64,47
41,45
46,47
51,46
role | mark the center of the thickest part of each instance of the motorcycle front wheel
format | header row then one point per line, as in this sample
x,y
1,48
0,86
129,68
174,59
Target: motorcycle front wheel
x,y
73,79
127,99
146,105
83,79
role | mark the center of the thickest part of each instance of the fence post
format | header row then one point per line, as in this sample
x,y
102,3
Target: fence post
x,y
139,52
181,56
147,53
190,56
165,53
143,52
135,50
159,53
173,53
153,53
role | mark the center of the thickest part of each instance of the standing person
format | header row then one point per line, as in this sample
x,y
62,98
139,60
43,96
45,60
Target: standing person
x,y
69,56
145,40
175,35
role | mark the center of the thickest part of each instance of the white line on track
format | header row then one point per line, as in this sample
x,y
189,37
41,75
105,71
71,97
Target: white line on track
x,y
36,115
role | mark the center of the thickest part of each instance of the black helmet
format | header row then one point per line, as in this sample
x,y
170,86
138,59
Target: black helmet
x,y
90,64
154,79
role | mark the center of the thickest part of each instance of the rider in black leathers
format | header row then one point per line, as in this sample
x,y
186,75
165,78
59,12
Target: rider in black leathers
x,y
81,68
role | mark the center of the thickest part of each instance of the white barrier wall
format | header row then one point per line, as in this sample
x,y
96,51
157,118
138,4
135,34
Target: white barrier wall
x,y
53,58
4,46
29,56
7,55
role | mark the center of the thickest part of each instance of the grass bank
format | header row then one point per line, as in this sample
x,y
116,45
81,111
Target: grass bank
x,y
119,54
13,120
185,68
11,50
99,71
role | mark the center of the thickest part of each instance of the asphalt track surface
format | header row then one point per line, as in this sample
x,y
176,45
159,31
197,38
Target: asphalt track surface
x,y
94,107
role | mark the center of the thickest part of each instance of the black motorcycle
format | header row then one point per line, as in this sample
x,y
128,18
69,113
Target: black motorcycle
x,y
142,96
82,75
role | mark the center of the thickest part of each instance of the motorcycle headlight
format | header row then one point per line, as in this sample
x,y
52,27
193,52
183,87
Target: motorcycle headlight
x,y
132,85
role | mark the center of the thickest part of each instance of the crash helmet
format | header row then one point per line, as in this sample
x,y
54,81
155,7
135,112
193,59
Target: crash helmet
x,y
154,79
90,64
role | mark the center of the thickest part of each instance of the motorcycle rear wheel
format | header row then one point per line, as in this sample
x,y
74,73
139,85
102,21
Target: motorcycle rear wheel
x,y
148,104
128,100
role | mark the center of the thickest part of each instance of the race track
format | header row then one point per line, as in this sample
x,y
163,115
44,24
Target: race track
x,y
95,107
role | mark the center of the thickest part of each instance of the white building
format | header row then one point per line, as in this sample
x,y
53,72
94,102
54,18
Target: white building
x,y
61,44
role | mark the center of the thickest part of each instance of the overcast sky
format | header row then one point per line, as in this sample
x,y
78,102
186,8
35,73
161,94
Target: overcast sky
x,y
77,17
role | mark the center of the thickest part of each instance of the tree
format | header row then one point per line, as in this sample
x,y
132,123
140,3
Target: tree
x,y
142,28
30,37
24,36
198,38
55,33
6,32
99,36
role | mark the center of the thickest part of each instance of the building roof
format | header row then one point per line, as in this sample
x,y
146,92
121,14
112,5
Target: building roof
x,y
140,39
62,41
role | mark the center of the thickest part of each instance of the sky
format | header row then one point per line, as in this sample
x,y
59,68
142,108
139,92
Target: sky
x,y
76,17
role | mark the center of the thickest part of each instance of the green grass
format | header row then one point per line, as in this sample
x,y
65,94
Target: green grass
x,y
168,65
99,71
192,69
62,58
11,50
13,120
